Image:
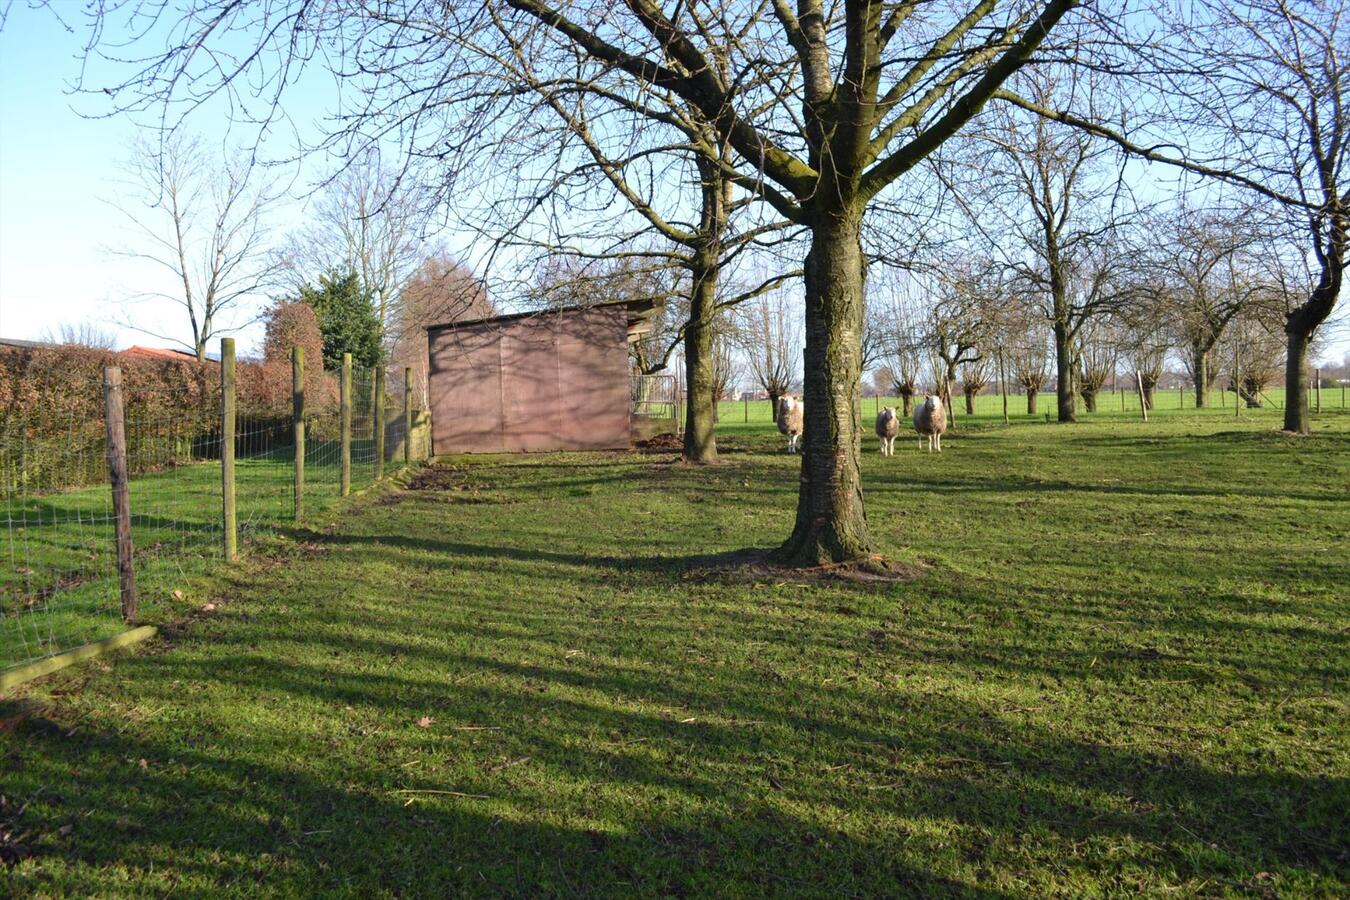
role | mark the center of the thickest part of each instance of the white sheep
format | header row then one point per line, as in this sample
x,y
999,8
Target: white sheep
x,y
888,426
789,420
930,418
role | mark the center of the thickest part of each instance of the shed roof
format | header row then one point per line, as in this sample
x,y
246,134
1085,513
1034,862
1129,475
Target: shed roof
x,y
641,312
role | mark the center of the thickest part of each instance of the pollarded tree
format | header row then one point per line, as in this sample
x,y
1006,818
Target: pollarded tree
x,y
1029,356
1252,93
771,340
1204,256
1098,354
1251,353
975,376
1061,204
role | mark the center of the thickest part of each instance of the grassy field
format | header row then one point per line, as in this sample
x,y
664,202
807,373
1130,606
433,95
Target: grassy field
x,y
58,579
1122,670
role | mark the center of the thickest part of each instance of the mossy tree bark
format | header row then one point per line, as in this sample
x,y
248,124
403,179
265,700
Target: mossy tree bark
x,y
1302,323
831,524
1065,394
1031,402
1200,371
700,419
869,98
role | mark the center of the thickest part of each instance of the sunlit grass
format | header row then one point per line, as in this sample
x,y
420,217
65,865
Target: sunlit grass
x,y
1124,671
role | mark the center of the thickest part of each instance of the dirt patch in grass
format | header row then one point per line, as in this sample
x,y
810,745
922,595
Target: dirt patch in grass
x,y
665,442
756,566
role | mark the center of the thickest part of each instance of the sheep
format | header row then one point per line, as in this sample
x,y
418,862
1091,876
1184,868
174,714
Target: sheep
x,y
789,420
888,426
930,418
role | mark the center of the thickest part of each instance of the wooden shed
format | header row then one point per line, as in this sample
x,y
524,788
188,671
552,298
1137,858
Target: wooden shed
x,y
549,380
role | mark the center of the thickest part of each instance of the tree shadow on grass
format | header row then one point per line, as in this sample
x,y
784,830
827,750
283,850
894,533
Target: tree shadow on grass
x,y
651,811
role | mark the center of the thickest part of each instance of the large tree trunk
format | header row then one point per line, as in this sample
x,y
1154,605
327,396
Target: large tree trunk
x,y
1200,369
1090,400
1031,402
700,435
1296,418
907,404
1148,395
970,403
1064,391
831,525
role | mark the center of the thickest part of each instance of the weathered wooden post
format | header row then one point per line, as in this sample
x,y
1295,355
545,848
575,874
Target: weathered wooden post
x,y
115,426
229,521
1143,407
1318,382
379,421
746,398
1003,384
298,425
345,427
407,415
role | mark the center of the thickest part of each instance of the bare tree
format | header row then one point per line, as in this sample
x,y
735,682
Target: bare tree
x,y
725,367
203,221
1251,93
1061,204
81,334
1251,353
975,377
771,339
961,321
1202,258
1098,354
1029,357
367,220
442,290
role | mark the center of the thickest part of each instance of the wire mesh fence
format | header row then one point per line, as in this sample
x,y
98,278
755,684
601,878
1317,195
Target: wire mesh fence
x,y
59,584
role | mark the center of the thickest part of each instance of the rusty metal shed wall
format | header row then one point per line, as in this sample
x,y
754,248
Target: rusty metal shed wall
x,y
554,381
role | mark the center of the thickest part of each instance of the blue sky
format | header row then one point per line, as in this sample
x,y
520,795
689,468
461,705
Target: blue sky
x,y
59,170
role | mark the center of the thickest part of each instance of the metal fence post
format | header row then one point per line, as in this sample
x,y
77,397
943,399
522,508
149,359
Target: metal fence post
x,y
115,426
298,425
407,415
379,421
229,523
345,426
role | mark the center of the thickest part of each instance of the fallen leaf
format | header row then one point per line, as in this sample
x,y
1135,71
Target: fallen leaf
x,y
178,595
144,764
424,722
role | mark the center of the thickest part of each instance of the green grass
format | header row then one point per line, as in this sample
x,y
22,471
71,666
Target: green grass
x,y
1124,671
58,578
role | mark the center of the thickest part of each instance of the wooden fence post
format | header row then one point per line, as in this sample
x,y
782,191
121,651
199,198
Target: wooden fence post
x,y
407,415
1003,384
298,425
345,427
115,426
1143,407
1318,382
746,398
379,421
229,520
